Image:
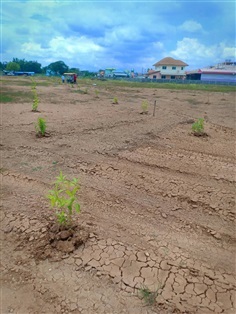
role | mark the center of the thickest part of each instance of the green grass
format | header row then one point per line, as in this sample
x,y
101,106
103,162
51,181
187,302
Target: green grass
x,y
148,296
54,81
5,98
10,96
171,86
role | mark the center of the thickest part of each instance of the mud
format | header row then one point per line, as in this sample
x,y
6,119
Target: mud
x,y
158,203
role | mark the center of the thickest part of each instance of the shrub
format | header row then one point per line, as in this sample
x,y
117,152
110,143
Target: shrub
x,y
198,127
63,198
41,126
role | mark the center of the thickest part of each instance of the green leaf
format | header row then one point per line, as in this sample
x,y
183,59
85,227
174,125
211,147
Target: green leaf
x,y
77,208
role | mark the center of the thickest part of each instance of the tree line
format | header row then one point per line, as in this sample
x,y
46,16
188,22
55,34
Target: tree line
x,y
22,65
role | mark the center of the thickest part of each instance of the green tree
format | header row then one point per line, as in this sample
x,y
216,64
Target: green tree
x,y
74,70
12,66
3,65
28,66
58,67
33,66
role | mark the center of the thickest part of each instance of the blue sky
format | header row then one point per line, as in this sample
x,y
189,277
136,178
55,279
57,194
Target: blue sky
x,y
121,34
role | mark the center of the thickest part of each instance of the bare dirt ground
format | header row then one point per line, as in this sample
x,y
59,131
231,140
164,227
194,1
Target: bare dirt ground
x,y
159,203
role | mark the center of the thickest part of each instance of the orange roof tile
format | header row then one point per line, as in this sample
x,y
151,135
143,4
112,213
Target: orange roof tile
x,y
170,61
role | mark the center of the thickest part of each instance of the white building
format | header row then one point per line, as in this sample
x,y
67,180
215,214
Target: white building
x,y
170,68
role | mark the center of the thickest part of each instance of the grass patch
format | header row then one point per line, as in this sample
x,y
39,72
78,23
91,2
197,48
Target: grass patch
x,y
10,96
5,98
171,86
148,296
193,101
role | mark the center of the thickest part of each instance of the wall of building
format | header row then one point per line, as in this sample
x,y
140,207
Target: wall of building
x,y
155,75
170,71
218,77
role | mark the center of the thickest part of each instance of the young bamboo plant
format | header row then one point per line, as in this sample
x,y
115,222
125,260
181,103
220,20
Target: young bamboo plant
x,y
115,100
63,198
198,127
35,102
144,107
40,127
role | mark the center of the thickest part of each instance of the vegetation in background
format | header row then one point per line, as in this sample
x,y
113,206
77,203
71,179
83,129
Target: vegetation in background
x,y
5,98
64,199
12,66
58,67
8,95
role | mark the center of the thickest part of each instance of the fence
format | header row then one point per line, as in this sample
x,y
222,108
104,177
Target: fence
x,y
146,80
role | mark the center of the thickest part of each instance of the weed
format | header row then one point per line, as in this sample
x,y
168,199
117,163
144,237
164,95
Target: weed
x,y
14,96
41,126
63,199
144,107
198,127
5,98
115,100
96,93
147,295
80,91
37,168
193,101
35,102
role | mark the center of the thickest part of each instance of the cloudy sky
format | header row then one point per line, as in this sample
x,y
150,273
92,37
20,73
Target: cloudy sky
x,y
123,34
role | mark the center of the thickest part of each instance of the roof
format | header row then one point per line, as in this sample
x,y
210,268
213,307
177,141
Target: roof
x,y
217,72
150,72
170,61
211,71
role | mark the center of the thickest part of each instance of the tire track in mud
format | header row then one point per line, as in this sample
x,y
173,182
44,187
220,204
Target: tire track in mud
x,y
192,163
217,196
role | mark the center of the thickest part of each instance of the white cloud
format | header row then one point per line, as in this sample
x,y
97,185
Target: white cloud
x,y
193,52
73,51
60,46
158,45
228,52
191,26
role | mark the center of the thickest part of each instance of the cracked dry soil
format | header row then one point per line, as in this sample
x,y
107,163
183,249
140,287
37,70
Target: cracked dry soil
x,y
158,202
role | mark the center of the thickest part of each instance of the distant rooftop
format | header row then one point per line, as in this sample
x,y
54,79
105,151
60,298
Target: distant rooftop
x,y
170,61
227,65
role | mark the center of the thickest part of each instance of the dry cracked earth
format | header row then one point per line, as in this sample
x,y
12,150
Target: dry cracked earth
x,y
158,202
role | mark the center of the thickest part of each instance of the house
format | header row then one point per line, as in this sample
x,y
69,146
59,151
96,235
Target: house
x,y
170,68
222,72
153,74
